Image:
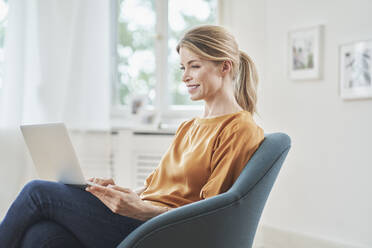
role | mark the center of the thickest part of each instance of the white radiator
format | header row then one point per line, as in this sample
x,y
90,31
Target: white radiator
x,y
144,163
142,152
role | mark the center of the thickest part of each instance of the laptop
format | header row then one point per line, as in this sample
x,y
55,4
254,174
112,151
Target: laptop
x,y
53,154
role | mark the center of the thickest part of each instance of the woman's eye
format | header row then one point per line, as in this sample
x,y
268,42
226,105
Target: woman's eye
x,y
193,66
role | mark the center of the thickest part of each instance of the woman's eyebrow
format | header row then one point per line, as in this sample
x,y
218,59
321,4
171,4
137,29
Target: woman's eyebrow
x,y
190,61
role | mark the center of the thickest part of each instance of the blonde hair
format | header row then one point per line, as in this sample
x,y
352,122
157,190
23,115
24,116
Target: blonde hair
x,y
215,43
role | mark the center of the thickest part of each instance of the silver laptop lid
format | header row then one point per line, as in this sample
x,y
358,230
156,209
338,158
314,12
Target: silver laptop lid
x,y
52,153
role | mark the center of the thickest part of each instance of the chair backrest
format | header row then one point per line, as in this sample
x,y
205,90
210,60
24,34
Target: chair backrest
x,y
226,220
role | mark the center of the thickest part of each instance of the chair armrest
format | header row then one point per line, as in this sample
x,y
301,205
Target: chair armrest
x,y
159,226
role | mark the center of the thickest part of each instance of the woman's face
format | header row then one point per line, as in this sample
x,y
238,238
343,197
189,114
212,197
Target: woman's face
x,y
202,77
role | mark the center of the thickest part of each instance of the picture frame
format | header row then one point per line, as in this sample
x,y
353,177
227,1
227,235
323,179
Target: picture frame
x,y
305,51
355,70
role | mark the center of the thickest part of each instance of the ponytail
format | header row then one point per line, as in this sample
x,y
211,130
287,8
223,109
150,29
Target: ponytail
x,y
246,84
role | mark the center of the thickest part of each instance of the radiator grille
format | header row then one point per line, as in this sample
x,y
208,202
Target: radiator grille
x,y
145,163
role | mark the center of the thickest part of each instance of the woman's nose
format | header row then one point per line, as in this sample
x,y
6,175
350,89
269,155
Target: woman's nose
x,y
186,78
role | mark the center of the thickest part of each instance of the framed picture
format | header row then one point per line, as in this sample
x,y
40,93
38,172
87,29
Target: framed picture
x,y
356,70
305,47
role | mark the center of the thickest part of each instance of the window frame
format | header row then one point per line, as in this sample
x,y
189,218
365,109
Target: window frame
x,y
162,106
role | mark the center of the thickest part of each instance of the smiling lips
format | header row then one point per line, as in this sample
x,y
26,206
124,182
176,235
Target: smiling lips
x,y
192,87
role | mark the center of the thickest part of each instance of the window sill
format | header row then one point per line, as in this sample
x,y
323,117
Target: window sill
x,y
150,119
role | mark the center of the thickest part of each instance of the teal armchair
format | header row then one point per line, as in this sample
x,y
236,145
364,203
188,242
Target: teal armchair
x,y
228,220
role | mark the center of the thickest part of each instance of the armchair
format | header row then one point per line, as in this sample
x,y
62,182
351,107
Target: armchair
x,y
228,220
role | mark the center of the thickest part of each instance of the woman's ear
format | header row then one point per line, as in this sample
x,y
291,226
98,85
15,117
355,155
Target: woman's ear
x,y
226,67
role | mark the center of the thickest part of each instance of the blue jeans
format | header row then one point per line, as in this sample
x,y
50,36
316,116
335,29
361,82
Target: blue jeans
x,y
48,214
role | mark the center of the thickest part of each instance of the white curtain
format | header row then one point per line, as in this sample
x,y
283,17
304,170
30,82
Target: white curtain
x,y
57,69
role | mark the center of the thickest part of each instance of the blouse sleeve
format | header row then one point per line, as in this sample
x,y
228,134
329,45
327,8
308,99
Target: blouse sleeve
x,y
149,177
232,151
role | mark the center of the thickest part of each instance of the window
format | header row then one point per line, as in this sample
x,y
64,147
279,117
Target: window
x,y
3,24
146,62
136,49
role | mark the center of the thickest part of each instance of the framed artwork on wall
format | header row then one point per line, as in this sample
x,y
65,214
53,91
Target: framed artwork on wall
x,y
305,48
356,70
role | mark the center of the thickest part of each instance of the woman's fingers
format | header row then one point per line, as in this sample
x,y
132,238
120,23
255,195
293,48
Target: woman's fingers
x,y
100,190
108,181
102,193
124,190
109,196
101,181
119,200
104,198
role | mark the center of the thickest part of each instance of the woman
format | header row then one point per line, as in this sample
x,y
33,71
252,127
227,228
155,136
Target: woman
x,y
205,158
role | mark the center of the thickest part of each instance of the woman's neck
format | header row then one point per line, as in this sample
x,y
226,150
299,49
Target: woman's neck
x,y
223,103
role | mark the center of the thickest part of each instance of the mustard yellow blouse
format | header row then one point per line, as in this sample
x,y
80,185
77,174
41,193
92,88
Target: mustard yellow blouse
x,y
204,159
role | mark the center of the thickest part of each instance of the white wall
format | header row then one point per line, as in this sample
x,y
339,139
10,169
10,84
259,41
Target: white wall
x,y
324,189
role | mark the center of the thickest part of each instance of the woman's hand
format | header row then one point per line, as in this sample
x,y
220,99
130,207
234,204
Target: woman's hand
x,y
125,202
101,181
